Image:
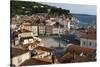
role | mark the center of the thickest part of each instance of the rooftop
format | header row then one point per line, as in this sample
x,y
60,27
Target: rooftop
x,y
89,36
17,51
25,30
43,48
34,61
27,23
26,34
78,49
89,33
68,57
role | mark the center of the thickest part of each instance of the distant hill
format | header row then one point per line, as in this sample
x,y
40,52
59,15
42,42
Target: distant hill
x,y
29,8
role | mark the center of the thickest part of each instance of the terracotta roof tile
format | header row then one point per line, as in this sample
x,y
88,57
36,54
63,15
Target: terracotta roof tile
x,y
34,61
89,33
43,48
16,52
89,36
79,49
66,57
73,58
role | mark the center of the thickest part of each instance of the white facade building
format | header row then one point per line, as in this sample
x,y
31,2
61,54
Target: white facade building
x,y
41,29
55,31
88,43
68,25
19,56
88,38
35,30
43,52
58,31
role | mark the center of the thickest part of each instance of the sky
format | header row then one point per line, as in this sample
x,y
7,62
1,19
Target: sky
x,y
76,8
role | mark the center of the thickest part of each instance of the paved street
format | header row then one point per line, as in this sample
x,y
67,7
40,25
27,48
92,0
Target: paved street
x,y
52,41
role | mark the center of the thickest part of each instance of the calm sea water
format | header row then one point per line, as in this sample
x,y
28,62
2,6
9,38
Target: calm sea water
x,y
85,20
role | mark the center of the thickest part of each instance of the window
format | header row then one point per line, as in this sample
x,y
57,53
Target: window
x,y
95,45
83,42
90,44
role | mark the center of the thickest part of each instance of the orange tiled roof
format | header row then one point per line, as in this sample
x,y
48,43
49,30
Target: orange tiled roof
x,y
89,33
27,24
66,57
79,49
89,36
43,48
73,58
25,30
16,52
34,61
